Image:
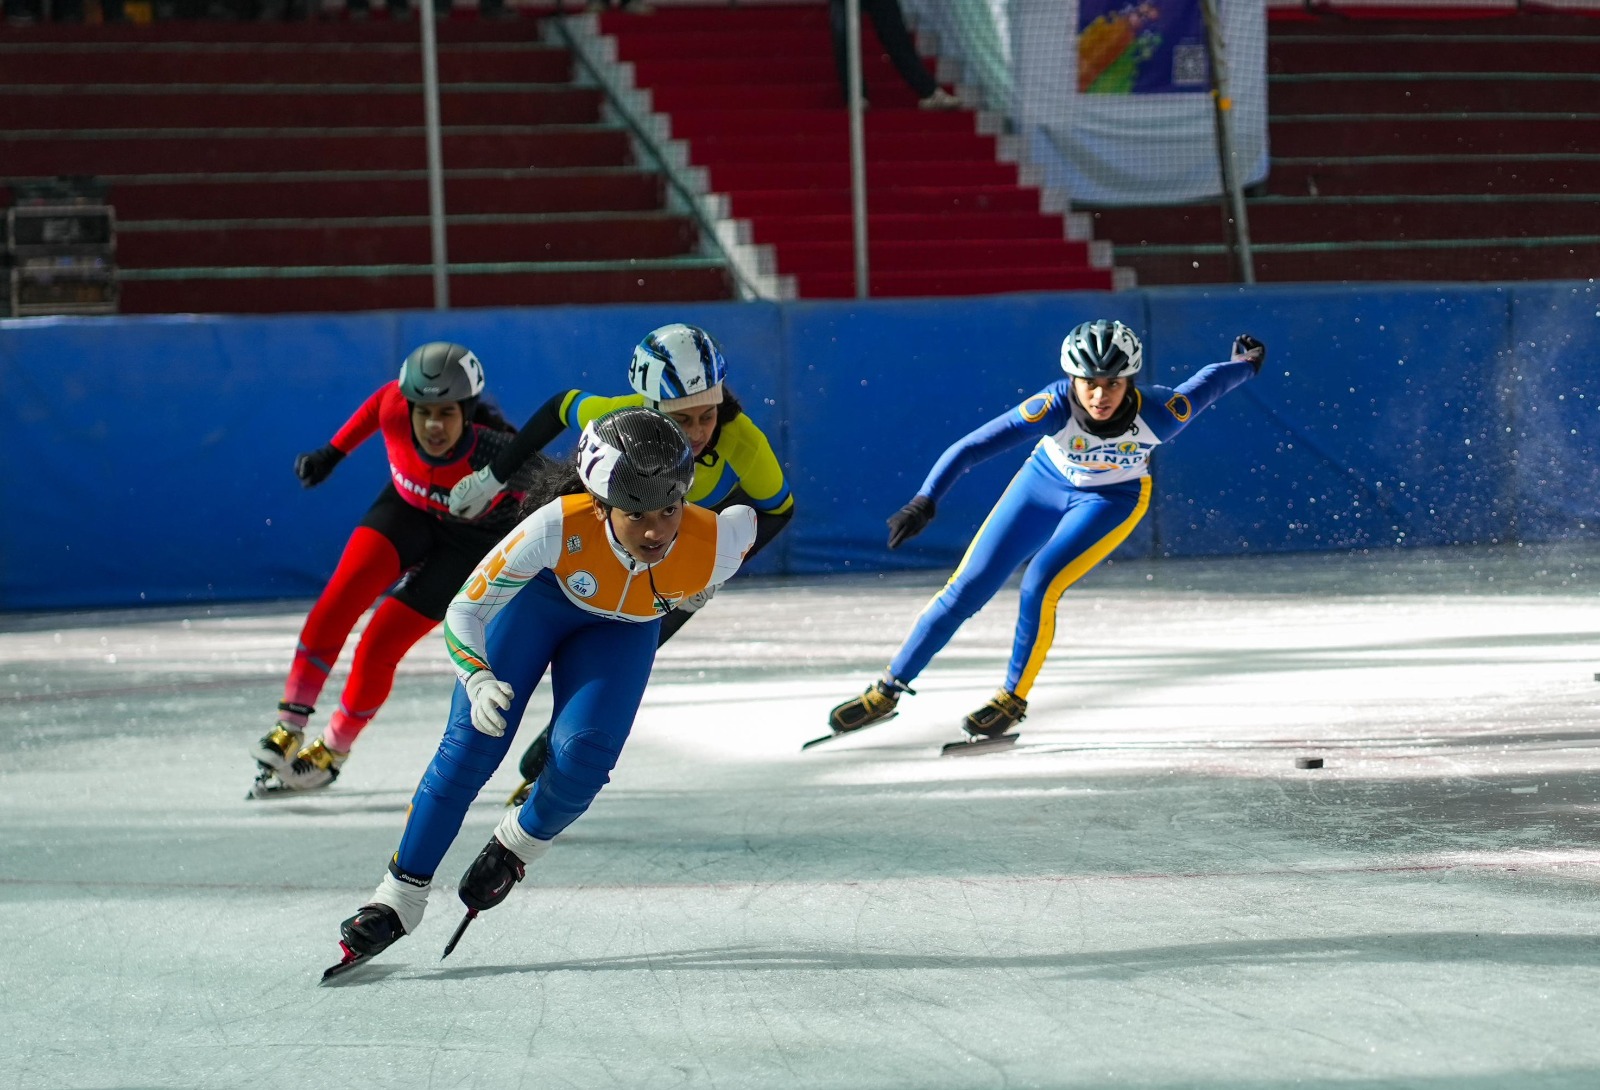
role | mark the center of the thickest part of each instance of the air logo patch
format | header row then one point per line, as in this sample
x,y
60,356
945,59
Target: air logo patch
x,y
582,584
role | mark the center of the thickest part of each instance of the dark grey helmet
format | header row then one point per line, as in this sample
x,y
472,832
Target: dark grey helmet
x,y
440,371
636,459
1102,349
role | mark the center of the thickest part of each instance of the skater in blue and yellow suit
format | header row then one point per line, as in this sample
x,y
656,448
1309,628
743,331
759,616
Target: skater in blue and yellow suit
x,y
679,370
579,589
1077,497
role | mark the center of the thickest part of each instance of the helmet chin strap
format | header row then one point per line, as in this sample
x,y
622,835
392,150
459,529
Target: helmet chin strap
x,y
649,569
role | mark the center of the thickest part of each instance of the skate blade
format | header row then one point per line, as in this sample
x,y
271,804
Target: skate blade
x,y
350,960
267,787
262,786
461,929
971,747
847,733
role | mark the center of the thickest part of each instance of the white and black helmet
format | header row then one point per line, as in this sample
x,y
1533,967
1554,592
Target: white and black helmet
x,y
1102,349
438,372
678,367
636,460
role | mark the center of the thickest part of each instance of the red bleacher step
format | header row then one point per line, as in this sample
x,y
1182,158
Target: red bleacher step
x,y
586,238
1377,94
723,123
265,106
272,149
734,177
1352,135
970,255
167,64
912,200
1367,52
633,283
894,227
312,195
955,282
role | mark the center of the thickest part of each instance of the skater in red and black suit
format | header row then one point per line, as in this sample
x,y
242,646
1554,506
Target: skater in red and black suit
x,y
436,429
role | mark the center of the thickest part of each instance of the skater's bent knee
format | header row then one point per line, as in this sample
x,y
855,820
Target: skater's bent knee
x,y
588,755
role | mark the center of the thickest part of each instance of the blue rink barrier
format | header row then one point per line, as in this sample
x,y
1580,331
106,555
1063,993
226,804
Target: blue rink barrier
x,y
150,457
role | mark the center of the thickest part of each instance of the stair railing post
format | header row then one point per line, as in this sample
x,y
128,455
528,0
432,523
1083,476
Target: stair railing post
x,y
430,107
858,153
1232,190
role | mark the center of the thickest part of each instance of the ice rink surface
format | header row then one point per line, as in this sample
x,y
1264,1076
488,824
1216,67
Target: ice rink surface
x,y
1146,892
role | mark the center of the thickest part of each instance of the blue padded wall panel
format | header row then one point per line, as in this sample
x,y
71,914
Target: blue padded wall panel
x,y
1375,423
1552,399
162,452
876,393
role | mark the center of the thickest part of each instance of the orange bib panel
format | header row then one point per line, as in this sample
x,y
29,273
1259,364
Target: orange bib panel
x,y
593,576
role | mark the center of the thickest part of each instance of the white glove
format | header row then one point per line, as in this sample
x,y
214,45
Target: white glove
x,y
473,494
695,601
490,696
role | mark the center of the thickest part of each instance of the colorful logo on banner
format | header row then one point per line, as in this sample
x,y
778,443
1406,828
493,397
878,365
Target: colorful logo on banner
x,y
1154,47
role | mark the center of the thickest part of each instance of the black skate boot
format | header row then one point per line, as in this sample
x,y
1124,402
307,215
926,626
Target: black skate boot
x,y
372,930
989,728
491,876
534,758
1003,711
873,706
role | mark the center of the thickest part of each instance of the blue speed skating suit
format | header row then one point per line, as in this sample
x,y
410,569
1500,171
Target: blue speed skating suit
x,y
1077,497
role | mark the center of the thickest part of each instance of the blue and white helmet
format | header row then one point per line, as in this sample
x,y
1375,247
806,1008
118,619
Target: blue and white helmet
x,y
678,367
1102,349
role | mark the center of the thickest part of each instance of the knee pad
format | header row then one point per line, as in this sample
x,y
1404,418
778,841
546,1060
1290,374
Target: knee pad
x,y
577,770
586,758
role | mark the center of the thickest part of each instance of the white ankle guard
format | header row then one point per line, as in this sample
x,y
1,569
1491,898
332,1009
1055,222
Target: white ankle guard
x,y
409,902
523,845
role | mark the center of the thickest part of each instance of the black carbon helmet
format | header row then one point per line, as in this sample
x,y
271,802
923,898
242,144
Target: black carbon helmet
x,y
1102,349
438,372
636,460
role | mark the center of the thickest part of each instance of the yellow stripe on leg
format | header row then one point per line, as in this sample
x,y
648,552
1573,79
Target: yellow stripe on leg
x,y
1068,576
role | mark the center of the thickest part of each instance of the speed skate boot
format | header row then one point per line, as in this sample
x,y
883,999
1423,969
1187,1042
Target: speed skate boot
x,y
491,877
396,909
873,706
1003,711
313,768
373,929
276,749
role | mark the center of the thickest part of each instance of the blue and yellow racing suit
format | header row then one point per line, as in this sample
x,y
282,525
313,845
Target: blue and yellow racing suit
x,y
1077,497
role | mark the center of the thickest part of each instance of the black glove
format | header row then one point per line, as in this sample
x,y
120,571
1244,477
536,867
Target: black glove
x,y
313,468
910,520
1250,350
